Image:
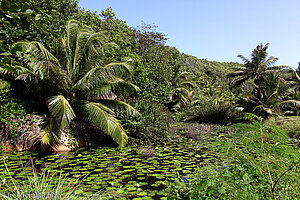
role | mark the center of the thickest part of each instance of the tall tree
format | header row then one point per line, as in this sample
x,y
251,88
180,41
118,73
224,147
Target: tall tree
x,y
256,67
80,84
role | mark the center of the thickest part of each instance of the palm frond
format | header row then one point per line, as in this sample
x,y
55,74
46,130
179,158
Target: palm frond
x,y
182,75
262,107
244,59
120,105
239,68
94,44
101,117
121,87
187,84
8,69
117,132
181,95
51,134
72,45
290,104
295,74
60,108
23,73
276,68
238,80
111,87
38,53
270,61
41,64
112,44
101,92
100,75
237,73
92,79
120,69
252,98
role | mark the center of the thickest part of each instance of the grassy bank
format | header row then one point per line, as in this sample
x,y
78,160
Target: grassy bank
x,y
259,162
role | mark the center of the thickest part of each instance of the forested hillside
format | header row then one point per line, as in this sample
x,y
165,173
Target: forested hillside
x,y
35,32
134,117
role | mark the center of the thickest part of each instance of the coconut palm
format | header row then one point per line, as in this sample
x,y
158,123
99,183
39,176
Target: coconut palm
x,y
180,93
270,95
292,103
79,83
256,67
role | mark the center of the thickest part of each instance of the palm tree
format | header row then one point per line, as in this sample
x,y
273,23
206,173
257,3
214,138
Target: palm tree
x,y
292,103
180,95
256,67
80,83
270,98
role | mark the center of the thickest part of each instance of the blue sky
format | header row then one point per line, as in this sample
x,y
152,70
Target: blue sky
x,y
217,30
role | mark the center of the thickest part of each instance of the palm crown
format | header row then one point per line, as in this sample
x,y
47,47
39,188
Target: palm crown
x,y
256,67
180,95
85,86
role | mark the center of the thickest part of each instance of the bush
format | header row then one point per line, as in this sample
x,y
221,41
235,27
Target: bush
x,y
9,107
151,127
210,113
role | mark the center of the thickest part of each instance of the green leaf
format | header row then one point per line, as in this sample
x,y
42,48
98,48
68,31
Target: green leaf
x,y
101,117
60,108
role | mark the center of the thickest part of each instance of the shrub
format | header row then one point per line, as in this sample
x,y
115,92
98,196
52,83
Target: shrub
x,y
210,113
9,107
151,127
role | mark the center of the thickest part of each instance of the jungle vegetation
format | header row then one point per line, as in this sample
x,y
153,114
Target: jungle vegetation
x,y
87,79
81,66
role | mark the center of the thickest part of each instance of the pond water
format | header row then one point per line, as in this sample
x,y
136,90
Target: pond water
x,y
131,172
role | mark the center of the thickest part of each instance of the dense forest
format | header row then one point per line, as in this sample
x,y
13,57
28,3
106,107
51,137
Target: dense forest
x,y
76,78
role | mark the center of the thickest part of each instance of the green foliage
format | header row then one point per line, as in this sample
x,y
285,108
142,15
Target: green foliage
x,y
180,94
268,150
79,80
290,124
151,127
15,18
213,103
154,72
270,97
212,99
259,163
44,186
202,68
210,113
231,181
256,67
10,109
264,88
52,17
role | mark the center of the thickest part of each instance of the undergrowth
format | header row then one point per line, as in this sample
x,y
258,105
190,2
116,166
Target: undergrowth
x,y
259,163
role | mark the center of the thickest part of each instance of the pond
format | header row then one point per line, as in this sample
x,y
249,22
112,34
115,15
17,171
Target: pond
x,y
131,172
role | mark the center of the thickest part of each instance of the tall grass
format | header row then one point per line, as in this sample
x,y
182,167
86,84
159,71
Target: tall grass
x,y
259,163
46,186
